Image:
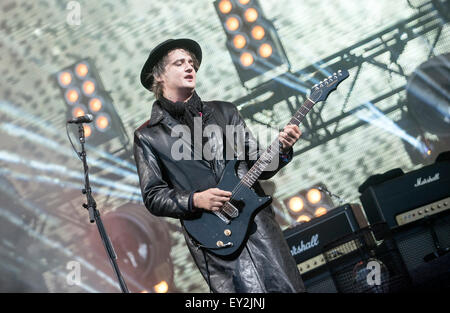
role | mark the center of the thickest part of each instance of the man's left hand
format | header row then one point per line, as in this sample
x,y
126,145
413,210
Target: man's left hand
x,y
289,136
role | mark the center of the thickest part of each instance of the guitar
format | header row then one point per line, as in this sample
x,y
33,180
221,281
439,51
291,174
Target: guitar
x,y
224,231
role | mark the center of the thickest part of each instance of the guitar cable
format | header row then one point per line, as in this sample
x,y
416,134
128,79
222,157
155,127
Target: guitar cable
x,y
207,272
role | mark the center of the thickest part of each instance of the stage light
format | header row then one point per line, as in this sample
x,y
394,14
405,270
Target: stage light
x,y
225,6
303,218
309,203
232,23
258,32
72,96
247,59
88,87
87,130
427,96
162,287
258,59
142,243
265,50
81,69
314,196
65,78
95,104
239,41
78,111
102,122
320,211
295,204
251,15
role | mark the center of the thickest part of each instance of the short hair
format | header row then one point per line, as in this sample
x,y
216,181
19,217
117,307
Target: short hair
x,y
160,67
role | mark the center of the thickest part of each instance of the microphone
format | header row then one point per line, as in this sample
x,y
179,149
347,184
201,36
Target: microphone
x,y
82,119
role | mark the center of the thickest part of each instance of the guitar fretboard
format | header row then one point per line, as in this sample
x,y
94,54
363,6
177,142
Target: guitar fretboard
x,y
274,149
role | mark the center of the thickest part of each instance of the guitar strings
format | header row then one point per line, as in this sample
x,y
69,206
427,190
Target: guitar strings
x,y
273,146
238,187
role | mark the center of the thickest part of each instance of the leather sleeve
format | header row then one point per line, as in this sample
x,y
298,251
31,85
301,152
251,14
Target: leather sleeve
x,y
252,155
158,197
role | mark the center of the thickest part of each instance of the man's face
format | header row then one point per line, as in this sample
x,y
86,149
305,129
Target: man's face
x,y
179,75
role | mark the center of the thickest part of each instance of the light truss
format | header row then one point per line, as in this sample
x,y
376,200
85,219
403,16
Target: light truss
x,y
391,40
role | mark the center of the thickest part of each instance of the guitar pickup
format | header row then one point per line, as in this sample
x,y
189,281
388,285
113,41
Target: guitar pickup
x,y
222,217
230,210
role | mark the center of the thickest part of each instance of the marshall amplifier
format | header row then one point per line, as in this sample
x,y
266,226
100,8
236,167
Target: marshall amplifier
x,y
307,240
415,206
424,245
409,197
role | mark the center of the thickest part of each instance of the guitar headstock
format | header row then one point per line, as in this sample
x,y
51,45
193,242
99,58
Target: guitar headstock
x,y
321,90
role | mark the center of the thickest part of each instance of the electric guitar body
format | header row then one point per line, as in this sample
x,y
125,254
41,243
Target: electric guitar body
x,y
225,235
224,232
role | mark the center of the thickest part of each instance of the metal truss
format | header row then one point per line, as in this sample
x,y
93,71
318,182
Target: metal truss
x,y
317,131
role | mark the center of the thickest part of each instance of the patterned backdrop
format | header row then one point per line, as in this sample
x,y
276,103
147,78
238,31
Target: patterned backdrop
x,y
43,226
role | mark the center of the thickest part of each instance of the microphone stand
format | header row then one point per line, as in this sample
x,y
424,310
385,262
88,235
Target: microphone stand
x,y
324,189
94,214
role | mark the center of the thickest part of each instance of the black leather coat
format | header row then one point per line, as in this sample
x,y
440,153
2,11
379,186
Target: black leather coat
x,y
265,264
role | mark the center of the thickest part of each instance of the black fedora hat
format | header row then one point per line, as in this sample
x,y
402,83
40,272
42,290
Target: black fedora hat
x,y
160,50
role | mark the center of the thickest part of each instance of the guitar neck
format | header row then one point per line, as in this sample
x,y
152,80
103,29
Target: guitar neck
x,y
274,149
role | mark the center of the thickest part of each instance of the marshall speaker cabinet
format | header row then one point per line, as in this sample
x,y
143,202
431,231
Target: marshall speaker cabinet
x,y
307,240
415,206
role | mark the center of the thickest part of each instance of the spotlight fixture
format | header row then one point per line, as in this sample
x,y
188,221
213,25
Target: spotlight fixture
x,y
246,27
309,203
83,92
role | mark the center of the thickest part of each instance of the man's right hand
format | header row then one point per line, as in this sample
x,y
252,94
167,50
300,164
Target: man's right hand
x,y
211,199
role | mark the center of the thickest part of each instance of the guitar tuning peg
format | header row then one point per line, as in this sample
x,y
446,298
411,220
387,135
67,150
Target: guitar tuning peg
x,y
329,77
334,74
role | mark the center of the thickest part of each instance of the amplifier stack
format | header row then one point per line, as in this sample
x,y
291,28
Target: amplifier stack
x,y
416,208
404,227
307,242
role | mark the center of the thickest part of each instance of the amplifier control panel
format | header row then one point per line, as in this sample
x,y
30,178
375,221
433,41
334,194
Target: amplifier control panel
x,y
423,211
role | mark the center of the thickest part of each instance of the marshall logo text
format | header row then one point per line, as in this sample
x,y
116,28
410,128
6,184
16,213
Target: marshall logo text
x,y
302,247
422,181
